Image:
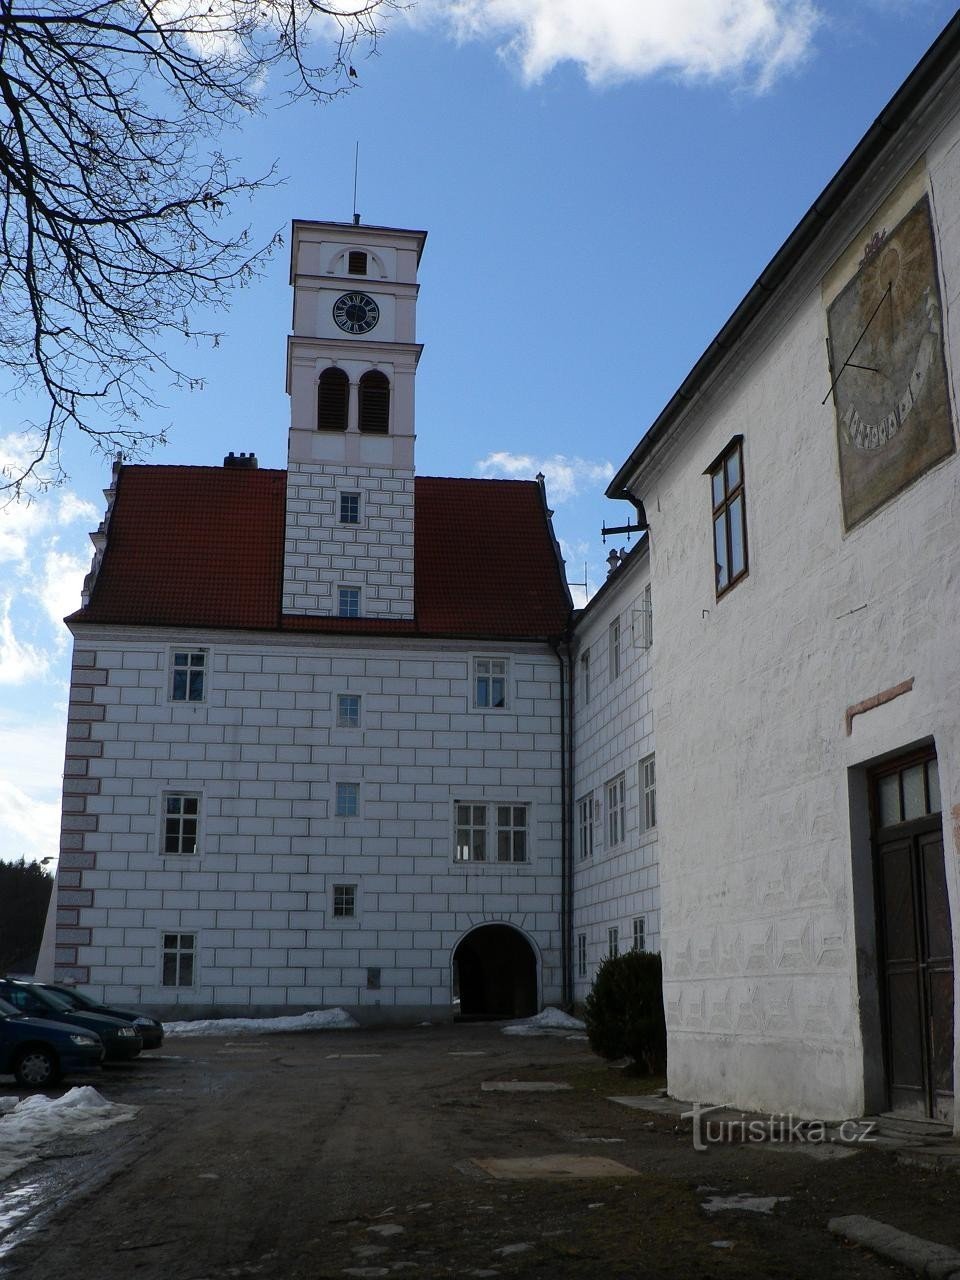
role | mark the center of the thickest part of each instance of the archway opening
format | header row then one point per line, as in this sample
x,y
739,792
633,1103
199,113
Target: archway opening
x,y
494,974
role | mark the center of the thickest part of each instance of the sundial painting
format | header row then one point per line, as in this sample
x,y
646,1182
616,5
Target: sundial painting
x,y
886,353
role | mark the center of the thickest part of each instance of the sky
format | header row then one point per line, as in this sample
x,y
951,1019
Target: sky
x,y
600,182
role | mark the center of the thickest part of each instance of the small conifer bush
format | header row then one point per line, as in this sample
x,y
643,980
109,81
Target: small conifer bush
x,y
624,1011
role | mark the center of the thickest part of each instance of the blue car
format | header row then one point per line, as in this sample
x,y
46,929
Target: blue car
x,y
37,1051
120,1040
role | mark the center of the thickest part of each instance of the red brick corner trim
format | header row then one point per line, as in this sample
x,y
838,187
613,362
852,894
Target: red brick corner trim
x,y
877,700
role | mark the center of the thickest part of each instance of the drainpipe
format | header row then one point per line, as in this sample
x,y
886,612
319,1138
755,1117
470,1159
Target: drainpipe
x,y
562,650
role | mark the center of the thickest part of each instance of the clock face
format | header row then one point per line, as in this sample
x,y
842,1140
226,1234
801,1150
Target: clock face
x,y
355,312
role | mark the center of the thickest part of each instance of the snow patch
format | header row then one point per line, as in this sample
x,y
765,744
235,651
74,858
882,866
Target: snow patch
x,y
743,1203
550,1022
315,1020
33,1123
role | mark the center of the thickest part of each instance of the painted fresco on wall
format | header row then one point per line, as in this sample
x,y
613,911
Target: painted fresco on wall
x,y
886,354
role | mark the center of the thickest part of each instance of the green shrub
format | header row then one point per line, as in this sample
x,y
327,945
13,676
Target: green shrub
x,y
624,1011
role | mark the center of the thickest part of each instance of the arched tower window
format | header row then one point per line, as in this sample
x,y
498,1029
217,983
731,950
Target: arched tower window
x,y
333,400
375,402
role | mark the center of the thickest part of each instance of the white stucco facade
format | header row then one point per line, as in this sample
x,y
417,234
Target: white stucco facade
x,y
615,854
764,697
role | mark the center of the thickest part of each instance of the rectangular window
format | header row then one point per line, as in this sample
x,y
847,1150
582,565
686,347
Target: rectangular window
x,y
179,953
348,711
373,979
585,675
648,794
348,800
356,263
181,823
344,901
616,810
585,827
729,517
647,617
348,602
511,833
613,941
639,934
187,672
581,955
613,642
349,508
489,682
471,833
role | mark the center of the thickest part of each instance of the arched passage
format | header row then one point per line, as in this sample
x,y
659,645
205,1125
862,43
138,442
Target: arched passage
x,y
495,974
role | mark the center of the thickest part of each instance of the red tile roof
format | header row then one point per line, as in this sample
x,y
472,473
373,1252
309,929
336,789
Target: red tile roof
x,y
203,547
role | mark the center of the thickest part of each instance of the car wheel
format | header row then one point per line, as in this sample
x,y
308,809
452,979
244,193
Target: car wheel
x,y
36,1068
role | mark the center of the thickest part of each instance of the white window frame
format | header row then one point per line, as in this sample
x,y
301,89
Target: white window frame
x,y
513,832
492,832
470,825
342,897
178,951
166,817
487,672
639,933
344,721
613,649
648,793
613,940
581,955
342,791
342,593
585,822
616,810
187,669
343,496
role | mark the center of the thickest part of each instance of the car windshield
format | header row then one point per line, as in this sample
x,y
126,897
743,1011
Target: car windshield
x,y
71,1000
8,1010
52,1000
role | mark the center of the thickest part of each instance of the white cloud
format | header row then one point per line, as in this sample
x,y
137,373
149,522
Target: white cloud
x,y
31,750
19,662
617,40
565,477
59,588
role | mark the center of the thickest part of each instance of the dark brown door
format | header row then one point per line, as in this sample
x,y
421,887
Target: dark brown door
x,y
916,939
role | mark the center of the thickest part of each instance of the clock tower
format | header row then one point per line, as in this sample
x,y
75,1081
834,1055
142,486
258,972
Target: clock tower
x,y
351,364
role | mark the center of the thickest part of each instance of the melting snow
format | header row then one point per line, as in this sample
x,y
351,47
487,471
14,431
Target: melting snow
x,y
315,1020
29,1125
744,1203
549,1022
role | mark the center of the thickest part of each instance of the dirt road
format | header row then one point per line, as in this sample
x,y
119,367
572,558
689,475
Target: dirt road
x,y
320,1155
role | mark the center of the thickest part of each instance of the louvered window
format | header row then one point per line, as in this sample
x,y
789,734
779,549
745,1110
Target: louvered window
x,y
357,263
333,399
375,402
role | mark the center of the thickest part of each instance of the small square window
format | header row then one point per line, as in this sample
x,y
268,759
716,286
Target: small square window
x,y
178,962
581,955
348,711
344,901
181,823
187,675
613,644
348,799
489,682
648,794
349,508
639,934
348,602
613,940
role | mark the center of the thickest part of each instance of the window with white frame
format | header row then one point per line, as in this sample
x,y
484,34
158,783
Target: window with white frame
x,y
489,682
616,810
491,832
613,645
648,794
585,675
178,967
581,955
613,940
181,822
639,933
344,901
188,671
348,711
585,827
348,800
348,602
349,508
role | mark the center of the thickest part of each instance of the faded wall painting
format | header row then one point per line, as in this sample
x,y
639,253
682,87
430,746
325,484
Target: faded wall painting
x,y
886,355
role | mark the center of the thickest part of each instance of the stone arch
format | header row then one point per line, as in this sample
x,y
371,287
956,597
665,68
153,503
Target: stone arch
x,y
495,972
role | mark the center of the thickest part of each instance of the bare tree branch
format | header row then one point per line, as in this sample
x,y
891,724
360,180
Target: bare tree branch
x,y
114,196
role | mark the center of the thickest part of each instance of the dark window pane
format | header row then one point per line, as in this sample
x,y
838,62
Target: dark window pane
x,y
333,399
733,470
720,552
186,969
737,550
357,263
933,787
374,405
169,970
196,686
717,487
889,792
179,686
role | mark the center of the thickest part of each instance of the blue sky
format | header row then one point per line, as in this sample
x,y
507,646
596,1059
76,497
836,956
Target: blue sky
x,y
601,184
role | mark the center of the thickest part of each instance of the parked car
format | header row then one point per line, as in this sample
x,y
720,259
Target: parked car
x,y
149,1029
38,1051
120,1040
